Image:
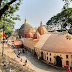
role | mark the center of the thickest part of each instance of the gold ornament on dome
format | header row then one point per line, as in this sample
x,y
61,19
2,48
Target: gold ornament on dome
x,y
36,30
25,21
41,23
54,30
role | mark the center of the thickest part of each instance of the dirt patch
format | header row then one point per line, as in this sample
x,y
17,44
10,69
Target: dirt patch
x,y
9,61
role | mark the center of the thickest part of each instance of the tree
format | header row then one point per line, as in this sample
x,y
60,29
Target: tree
x,y
66,5
63,19
0,36
5,4
7,10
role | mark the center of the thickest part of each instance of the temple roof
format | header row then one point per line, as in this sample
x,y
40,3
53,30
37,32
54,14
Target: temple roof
x,y
55,43
29,35
36,35
27,28
18,43
42,29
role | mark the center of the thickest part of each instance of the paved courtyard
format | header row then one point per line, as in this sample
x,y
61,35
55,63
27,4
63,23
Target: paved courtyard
x,y
37,65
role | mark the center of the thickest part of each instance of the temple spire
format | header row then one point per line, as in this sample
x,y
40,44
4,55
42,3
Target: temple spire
x,y
54,30
25,20
41,23
36,30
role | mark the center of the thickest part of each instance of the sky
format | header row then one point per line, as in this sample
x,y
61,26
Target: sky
x,y
36,11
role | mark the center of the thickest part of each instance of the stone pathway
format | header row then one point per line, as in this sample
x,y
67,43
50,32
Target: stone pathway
x,y
37,65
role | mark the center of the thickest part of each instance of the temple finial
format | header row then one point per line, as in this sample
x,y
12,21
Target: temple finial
x,y
25,20
41,23
36,30
54,30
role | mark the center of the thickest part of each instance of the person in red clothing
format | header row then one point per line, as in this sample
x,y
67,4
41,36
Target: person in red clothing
x,y
35,54
68,70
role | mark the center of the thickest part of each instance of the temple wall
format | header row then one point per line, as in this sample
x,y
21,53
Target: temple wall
x,y
53,56
28,43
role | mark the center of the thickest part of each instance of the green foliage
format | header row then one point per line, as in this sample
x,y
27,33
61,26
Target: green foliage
x,y
9,33
69,37
66,4
8,18
8,24
0,36
70,31
63,19
12,9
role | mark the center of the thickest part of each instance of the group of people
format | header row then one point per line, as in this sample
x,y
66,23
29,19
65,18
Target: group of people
x,y
18,55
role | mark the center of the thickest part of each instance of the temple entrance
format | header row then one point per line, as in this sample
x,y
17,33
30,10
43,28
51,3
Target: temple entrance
x,y
42,55
58,61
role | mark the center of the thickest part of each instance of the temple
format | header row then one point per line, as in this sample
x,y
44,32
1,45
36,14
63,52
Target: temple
x,y
52,47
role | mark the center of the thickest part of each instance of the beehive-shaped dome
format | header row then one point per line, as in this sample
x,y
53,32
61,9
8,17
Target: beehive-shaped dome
x,y
36,35
25,28
42,29
29,35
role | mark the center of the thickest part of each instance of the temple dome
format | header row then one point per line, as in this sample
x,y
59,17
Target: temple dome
x,y
29,35
36,35
28,28
25,28
42,29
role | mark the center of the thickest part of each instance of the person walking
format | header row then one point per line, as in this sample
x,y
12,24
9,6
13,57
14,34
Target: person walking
x,y
21,59
38,57
19,53
68,70
25,61
23,51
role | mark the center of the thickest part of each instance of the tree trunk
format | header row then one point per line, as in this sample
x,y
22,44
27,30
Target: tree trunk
x,y
0,3
5,8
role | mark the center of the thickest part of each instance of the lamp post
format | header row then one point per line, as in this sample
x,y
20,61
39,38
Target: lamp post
x,y
3,37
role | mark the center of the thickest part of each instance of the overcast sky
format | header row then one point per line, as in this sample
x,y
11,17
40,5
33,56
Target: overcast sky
x,y
38,10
